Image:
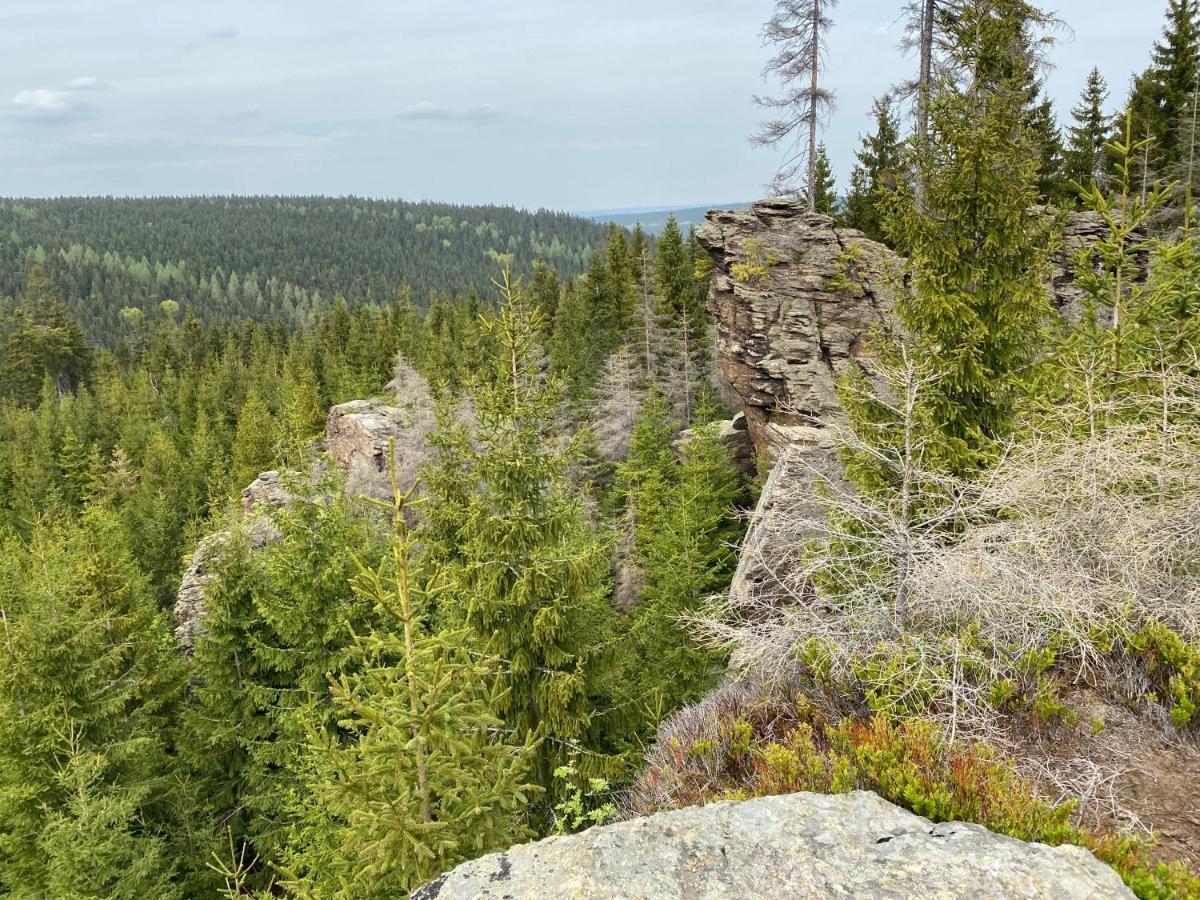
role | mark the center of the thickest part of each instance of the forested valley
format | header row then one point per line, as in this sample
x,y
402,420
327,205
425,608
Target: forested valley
x,y
530,630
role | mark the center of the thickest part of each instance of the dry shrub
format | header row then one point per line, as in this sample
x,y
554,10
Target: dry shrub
x,y
964,601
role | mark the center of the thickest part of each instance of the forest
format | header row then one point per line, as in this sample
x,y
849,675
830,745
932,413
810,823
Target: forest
x,y
261,258
537,635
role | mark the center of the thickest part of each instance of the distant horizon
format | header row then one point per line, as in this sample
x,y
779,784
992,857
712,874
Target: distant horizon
x,y
583,213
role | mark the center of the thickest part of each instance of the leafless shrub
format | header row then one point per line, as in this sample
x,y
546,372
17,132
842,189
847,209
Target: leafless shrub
x,y
933,598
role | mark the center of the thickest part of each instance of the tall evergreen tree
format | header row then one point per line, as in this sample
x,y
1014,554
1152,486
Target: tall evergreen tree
x,y
278,620
1160,95
878,166
524,570
89,681
825,199
977,288
419,773
1086,159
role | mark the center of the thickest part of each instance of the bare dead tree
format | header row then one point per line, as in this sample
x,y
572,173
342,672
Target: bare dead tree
x,y
797,33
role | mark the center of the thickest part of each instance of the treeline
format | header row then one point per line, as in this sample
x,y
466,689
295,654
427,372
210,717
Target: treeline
x,y
373,695
262,257
1159,111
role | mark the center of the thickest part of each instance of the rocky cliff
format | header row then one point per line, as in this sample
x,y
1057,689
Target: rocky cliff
x,y
797,845
795,300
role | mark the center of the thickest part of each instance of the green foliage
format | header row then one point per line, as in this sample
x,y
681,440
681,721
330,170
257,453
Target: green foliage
x,y
1162,97
975,256
1086,157
89,682
43,344
757,265
277,624
264,258
684,526
825,198
414,772
524,569
584,805
879,162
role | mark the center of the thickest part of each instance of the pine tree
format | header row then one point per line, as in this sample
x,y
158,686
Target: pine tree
x,y
278,620
254,447
825,199
1159,97
879,164
89,681
418,773
525,572
1086,160
977,293
797,29
685,526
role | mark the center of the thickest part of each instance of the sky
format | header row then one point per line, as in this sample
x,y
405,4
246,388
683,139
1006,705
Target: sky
x,y
564,104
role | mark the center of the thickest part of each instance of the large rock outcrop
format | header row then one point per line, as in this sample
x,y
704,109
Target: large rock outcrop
x,y
358,436
797,845
796,301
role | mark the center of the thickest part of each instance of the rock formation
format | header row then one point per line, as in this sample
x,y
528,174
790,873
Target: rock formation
x,y
357,437
797,845
796,301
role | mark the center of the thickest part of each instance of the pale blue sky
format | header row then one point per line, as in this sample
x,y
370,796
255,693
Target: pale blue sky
x,y
571,105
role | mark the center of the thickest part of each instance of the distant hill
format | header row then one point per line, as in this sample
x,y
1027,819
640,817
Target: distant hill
x,y
262,257
654,218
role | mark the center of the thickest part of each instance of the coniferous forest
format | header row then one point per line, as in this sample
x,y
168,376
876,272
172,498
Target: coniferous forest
x,y
514,644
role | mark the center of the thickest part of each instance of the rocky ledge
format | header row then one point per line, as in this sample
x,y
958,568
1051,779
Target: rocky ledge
x,y
798,845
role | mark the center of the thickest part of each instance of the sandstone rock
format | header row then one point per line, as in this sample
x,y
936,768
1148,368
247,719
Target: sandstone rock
x,y
798,845
795,301
358,434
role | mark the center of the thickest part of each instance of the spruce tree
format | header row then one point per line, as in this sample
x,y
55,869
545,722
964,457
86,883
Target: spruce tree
x,y
825,199
1159,99
1086,160
89,681
879,164
524,569
278,620
977,294
419,773
685,528
256,442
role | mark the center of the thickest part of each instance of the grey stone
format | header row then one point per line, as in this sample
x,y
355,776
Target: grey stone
x,y
799,845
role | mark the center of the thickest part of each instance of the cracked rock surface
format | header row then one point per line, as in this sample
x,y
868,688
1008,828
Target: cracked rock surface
x,y
797,845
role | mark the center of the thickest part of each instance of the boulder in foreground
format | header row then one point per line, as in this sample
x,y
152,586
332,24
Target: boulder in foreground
x,y
797,845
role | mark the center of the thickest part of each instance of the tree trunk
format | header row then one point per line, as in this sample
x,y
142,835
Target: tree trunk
x,y
925,76
815,54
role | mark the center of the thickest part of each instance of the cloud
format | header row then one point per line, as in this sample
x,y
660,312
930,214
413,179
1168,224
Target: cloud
x,y
51,105
44,100
228,33
429,111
